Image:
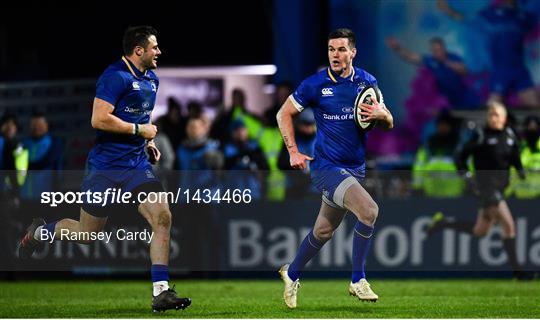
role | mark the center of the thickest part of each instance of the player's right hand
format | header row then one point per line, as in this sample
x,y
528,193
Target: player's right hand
x,y
392,43
147,131
298,160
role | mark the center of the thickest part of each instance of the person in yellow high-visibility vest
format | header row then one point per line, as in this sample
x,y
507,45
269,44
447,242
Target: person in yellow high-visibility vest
x,y
528,188
13,159
434,170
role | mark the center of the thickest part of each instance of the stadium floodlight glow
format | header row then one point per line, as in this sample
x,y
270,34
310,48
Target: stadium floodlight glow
x,y
266,69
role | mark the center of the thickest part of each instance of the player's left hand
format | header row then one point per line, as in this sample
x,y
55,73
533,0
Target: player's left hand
x,y
373,111
153,152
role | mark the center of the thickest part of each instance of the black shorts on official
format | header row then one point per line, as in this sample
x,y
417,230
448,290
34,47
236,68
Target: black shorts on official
x,y
489,197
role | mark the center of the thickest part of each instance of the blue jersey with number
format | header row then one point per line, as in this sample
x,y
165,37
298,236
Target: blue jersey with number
x,y
133,95
339,142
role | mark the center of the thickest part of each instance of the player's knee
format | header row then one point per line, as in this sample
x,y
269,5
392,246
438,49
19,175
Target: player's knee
x,y
323,234
162,218
372,212
480,231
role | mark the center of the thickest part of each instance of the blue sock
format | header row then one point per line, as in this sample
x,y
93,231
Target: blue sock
x,y
308,249
50,227
361,242
160,272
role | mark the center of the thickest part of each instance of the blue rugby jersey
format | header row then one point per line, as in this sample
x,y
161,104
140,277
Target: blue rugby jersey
x,y
339,142
133,95
507,28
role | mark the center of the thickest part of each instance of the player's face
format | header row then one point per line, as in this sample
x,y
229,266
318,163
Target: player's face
x,y
340,55
496,118
38,127
151,53
438,51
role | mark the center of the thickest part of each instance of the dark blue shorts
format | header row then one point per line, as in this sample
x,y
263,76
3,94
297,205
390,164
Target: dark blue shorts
x,y
333,182
518,79
133,180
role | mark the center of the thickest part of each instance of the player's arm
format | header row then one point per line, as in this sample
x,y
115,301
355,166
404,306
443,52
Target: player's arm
x,y
104,119
402,52
446,9
284,118
463,152
458,66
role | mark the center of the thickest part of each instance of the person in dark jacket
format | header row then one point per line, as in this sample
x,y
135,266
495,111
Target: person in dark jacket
x,y
494,149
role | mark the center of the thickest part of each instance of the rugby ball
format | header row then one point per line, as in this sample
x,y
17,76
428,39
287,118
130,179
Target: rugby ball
x,y
365,97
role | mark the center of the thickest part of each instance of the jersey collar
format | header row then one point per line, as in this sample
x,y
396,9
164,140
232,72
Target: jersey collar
x,y
134,71
337,78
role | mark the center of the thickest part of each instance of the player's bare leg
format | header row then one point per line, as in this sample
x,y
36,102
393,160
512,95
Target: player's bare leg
x,y
361,204
484,221
328,220
159,217
59,230
529,98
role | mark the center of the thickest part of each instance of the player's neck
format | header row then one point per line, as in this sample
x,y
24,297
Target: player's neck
x,y
346,72
136,63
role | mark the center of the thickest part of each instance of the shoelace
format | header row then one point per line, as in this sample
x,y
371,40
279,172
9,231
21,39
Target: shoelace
x,y
365,286
293,290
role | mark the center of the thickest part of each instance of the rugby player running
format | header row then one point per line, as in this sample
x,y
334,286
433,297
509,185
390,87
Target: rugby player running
x,y
338,165
125,97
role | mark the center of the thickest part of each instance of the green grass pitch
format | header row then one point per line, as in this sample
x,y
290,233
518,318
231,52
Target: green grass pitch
x,y
263,299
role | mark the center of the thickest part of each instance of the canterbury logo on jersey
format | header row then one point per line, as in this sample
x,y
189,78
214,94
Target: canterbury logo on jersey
x,y
326,92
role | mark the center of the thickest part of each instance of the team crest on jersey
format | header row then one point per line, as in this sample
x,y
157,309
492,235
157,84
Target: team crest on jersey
x,y
154,87
136,85
327,92
361,86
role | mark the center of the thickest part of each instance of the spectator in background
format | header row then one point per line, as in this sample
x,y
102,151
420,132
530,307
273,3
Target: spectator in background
x,y
506,26
298,182
447,68
196,155
530,158
245,154
434,171
45,158
238,110
283,91
13,160
172,123
166,161
195,110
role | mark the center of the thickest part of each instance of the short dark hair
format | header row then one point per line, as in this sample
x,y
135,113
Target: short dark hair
x,y
8,116
437,40
344,33
137,36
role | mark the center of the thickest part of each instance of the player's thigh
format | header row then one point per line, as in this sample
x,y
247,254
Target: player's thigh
x,y
328,220
504,216
90,223
361,204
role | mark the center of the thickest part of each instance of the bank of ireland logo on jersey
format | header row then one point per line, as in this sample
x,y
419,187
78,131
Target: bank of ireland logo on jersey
x,y
136,85
327,92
